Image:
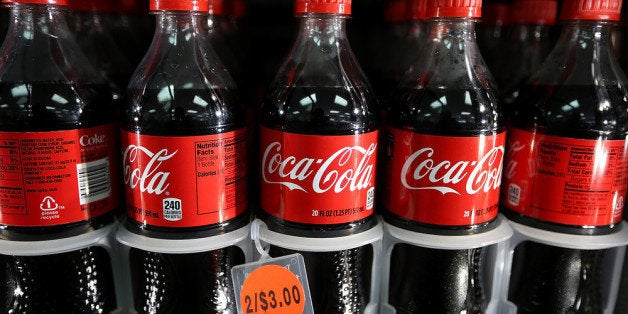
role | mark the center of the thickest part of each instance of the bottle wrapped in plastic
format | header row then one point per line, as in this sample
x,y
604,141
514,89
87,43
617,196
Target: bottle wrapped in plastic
x,y
60,164
445,146
319,136
184,164
566,161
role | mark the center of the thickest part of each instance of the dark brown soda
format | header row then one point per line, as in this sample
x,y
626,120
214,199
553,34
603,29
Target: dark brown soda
x,y
547,279
178,115
29,107
571,111
444,112
457,273
75,282
184,283
324,115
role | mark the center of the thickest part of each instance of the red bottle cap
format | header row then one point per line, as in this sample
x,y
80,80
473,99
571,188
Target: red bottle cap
x,y
496,14
216,7
453,8
179,5
601,10
395,11
416,9
107,6
323,6
542,12
55,2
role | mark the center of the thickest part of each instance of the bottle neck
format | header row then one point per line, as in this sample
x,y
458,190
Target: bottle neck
x,y
35,22
583,55
324,30
40,47
322,46
587,35
452,30
179,27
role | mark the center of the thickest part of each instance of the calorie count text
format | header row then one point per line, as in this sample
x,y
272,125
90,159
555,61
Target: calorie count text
x,y
265,300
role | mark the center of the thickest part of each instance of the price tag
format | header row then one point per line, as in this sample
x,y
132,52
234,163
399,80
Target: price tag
x,y
273,285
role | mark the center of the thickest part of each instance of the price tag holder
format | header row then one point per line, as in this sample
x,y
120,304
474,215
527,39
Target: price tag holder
x,y
273,285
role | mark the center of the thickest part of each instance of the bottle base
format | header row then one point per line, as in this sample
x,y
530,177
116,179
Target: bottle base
x,y
556,227
438,229
316,231
13,233
187,233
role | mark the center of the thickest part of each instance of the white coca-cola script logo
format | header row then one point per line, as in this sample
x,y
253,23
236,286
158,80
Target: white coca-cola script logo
x,y
349,167
422,172
149,179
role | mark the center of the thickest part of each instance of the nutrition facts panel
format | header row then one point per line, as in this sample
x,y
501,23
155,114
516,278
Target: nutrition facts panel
x,y
12,199
216,159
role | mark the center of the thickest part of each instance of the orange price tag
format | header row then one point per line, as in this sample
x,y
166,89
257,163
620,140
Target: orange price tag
x,y
272,289
273,286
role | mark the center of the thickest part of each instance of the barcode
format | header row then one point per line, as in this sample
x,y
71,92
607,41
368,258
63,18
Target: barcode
x,y
94,180
514,194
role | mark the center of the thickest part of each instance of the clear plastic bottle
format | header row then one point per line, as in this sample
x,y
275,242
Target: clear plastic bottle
x,y
566,162
59,164
528,44
445,145
184,163
319,135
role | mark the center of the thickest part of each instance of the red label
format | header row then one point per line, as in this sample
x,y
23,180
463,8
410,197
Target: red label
x,y
318,179
59,177
185,181
565,180
444,180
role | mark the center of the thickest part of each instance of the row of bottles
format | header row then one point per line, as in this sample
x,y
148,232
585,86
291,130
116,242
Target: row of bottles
x,y
441,155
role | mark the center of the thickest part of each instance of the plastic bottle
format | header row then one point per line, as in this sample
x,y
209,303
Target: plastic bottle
x,y
528,44
184,164
566,162
319,131
445,145
59,164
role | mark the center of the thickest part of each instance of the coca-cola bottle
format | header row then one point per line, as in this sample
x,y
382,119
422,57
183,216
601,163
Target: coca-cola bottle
x,y
59,166
528,43
319,131
566,162
90,24
184,164
445,144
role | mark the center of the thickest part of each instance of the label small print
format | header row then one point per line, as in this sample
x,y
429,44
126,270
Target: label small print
x,y
173,210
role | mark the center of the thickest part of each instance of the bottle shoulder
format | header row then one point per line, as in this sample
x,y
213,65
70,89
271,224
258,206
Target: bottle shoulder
x,y
48,106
